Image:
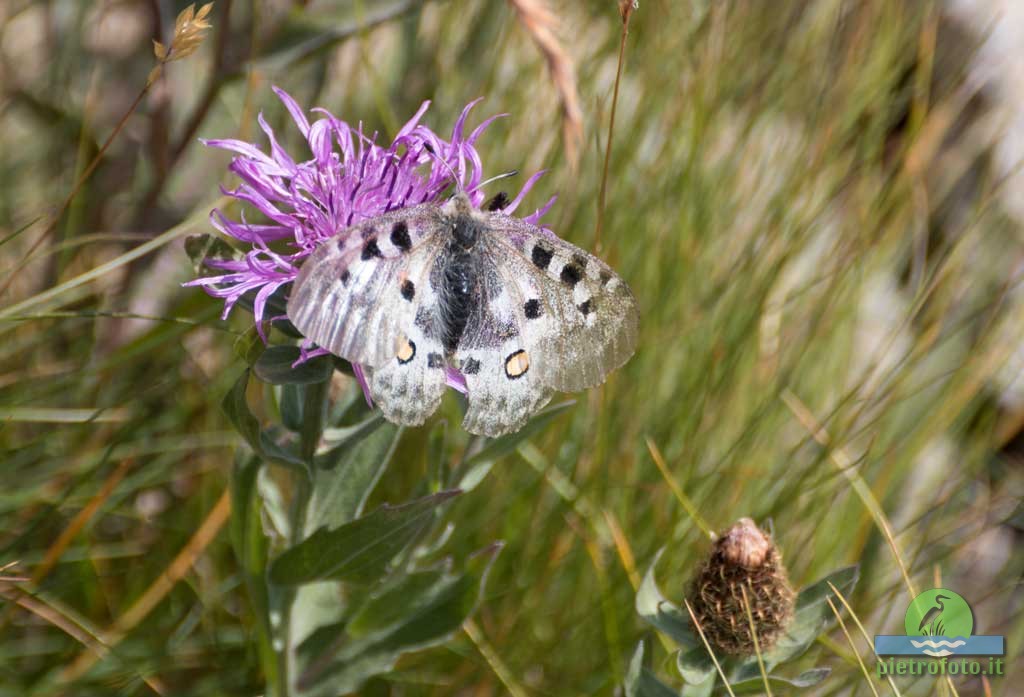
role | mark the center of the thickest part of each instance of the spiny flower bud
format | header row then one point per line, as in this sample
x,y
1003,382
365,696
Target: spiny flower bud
x,y
743,559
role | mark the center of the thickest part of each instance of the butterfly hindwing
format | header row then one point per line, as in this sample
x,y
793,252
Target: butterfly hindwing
x,y
408,387
357,292
497,360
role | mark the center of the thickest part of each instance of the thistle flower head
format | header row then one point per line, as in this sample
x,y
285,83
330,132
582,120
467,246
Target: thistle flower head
x,y
346,177
744,567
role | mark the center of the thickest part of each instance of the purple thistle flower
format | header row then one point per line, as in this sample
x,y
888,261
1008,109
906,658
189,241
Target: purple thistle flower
x,y
348,179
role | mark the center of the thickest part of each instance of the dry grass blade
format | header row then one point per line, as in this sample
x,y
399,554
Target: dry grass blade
x,y
156,592
542,23
863,632
623,548
707,646
849,640
52,614
79,522
757,644
626,8
493,660
683,499
845,465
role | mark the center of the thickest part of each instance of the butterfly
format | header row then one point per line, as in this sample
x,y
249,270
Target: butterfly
x,y
519,312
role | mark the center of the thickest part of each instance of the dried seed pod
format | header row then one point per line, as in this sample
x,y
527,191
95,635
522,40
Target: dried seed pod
x,y
744,558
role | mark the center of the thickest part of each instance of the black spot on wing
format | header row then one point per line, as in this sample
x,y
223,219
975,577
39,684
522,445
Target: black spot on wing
x,y
400,236
435,360
470,366
345,276
580,260
370,250
605,276
571,274
408,290
586,307
532,309
541,256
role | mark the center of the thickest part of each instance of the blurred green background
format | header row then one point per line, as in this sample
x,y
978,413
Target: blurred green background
x,y
806,196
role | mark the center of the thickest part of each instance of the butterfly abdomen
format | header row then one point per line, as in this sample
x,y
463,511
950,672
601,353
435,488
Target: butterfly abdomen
x,y
458,288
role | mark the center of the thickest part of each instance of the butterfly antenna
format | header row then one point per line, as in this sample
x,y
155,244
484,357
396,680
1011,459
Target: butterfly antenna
x,y
455,178
496,177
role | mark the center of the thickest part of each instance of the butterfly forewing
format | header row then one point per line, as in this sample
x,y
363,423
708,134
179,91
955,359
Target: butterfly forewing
x,y
350,295
584,322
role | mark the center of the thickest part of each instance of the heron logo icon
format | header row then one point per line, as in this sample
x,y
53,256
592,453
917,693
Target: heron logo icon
x,y
939,623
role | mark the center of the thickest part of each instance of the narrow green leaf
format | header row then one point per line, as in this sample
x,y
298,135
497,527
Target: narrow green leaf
x,y
641,682
476,467
695,665
434,605
314,413
203,247
660,613
437,456
808,678
818,592
345,476
237,409
358,551
250,545
290,406
275,366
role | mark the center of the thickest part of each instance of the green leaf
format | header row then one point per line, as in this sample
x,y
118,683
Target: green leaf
x,y
359,551
808,678
476,467
818,592
437,456
695,665
416,612
237,409
275,366
250,545
290,406
201,248
345,475
641,682
705,689
660,613
811,617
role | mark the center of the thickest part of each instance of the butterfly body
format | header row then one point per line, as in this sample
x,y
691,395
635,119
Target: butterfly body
x,y
517,311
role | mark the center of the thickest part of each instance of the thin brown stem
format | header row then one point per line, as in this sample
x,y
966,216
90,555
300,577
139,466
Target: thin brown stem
x,y
608,141
52,225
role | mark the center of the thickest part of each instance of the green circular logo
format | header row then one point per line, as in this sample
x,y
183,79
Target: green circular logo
x,y
939,612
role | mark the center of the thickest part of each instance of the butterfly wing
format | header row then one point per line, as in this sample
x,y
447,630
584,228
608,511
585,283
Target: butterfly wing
x,y
549,317
409,386
496,358
578,317
357,293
